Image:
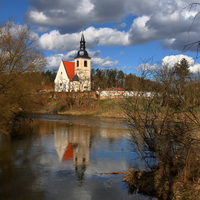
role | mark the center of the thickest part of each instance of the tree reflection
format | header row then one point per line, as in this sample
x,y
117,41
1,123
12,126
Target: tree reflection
x,y
165,131
18,178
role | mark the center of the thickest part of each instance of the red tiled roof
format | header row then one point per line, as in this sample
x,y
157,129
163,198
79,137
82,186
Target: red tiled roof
x,y
68,153
113,88
122,89
70,69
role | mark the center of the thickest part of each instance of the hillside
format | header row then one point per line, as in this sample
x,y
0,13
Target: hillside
x,y
83,106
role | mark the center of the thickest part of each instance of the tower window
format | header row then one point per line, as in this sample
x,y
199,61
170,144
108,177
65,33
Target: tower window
x,y
85,63
77,63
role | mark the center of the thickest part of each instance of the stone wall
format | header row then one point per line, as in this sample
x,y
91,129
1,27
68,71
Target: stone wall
x,y
122,94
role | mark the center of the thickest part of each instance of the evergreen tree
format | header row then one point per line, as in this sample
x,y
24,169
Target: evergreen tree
x,y
182,75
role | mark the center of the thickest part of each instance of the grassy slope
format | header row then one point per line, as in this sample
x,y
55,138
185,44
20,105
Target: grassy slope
x,y
90,106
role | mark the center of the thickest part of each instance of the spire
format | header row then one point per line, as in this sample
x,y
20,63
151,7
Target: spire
x,y
82,33
82,42
82,53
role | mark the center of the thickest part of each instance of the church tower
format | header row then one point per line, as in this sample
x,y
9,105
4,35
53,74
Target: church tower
x,y
83,67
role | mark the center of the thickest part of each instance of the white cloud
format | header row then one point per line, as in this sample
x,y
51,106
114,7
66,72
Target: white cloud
x,y
131,68
156,20
94,54
170,61
121,25
96,61
38,16
147,67
84,7
106,62
72,15
195,68
173,59
54,61
54,41
124,67
16,29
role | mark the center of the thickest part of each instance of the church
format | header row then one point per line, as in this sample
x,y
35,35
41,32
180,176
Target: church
x,y
75,76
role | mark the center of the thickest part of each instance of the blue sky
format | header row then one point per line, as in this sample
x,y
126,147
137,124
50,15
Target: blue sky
x,y
120,34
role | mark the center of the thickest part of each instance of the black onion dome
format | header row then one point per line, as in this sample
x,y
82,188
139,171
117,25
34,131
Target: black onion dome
x,y
82,53
76,78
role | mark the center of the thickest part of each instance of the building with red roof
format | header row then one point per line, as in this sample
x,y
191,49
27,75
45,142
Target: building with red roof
x,y
113,89
75,76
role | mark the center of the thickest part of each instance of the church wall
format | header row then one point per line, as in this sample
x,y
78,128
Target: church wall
x,y
61,80
75,86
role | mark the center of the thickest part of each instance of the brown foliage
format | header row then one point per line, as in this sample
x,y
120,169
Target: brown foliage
x,y
167,139
20,60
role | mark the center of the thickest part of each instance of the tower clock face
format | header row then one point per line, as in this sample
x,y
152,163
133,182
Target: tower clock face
x,y
81,53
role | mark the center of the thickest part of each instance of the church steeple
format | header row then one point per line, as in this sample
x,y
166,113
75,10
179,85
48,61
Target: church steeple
x,y
82,42
82,78
82,53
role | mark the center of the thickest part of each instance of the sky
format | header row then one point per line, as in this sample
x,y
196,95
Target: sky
x,y
120,34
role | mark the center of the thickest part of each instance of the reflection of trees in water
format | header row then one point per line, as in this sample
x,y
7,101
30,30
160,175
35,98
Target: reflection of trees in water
x,y
167,134
170,151
18,178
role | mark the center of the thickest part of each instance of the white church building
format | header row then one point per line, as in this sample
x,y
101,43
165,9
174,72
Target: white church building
x,y
75,76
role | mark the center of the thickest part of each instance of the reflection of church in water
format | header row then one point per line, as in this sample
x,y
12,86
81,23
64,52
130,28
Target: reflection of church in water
x,y
74,144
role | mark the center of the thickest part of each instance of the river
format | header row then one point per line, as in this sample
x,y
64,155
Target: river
x,y
56,157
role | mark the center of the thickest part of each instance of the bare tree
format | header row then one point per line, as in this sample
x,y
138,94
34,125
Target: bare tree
x,y
190,7
166,139
20,59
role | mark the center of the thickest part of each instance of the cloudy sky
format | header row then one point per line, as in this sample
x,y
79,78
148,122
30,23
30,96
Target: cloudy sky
x,y
120,34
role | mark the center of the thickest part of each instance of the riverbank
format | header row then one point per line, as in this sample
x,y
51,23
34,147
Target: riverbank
x,y
104,109
107,108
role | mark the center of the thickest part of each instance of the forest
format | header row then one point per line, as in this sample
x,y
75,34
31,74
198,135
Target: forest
x,y
106,78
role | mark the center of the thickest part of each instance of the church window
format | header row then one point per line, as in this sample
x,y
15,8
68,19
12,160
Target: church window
x,y
85,63
77,63
61,72
60,84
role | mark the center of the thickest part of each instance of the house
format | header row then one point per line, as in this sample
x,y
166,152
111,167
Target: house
x,y
113,89
75,76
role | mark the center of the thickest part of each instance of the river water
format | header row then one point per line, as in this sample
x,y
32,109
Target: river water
x,y
57,157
